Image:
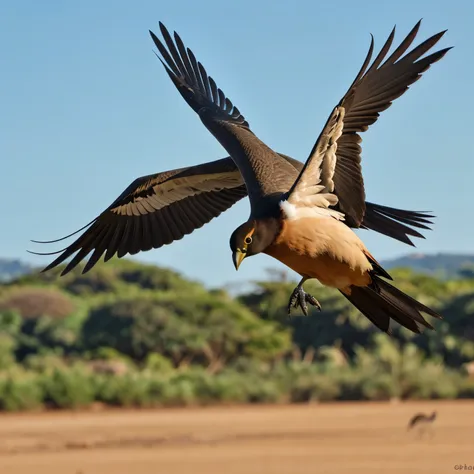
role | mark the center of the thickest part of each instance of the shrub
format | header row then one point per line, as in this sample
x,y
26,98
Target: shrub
x,y
261,391
73,388
198,329
130,390
7,351
19,392
156,362
44,363
150,277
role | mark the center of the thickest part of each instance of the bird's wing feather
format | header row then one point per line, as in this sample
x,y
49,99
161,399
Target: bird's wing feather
x,y
156,210
265,173
189,76
314,186
372,91
162,209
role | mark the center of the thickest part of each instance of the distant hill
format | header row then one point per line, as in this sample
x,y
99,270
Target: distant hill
x,y
445,265
13,268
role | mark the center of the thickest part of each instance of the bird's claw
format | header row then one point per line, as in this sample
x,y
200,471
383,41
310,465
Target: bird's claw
x,y
299,297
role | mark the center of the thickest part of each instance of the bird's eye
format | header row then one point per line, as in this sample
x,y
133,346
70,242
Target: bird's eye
x,y
248,240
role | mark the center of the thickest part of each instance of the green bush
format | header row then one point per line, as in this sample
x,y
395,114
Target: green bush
x,y
228,387
44,363
131,390
304,382
156,362
127,334
434,381
10,322
69,388
261,391
179,392
20,392
7,351
378,386
206,330
466,388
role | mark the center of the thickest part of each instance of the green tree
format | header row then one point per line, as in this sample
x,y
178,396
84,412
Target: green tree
x,y
200,328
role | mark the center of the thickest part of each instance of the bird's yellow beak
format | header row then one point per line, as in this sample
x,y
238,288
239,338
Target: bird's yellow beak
x,y
237,257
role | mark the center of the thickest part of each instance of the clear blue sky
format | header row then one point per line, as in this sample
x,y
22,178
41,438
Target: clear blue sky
x,y
85,108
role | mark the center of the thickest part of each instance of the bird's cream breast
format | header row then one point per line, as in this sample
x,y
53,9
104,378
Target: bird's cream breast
x,y
322,248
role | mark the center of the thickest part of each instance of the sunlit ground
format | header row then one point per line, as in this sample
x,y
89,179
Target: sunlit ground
x,y
333,438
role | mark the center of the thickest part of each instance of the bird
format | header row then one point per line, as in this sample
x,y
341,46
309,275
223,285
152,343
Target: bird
x,y
423,421
302,214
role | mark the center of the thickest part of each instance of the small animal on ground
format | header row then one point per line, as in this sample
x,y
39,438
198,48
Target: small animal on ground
x,y
423,424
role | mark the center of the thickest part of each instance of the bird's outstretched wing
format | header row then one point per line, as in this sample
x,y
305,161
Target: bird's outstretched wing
x,y
333,168
155,210
264,171
160,208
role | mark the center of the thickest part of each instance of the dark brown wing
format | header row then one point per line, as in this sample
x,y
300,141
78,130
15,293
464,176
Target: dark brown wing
x,y
373,90
154,211
264,172
131,222
192,81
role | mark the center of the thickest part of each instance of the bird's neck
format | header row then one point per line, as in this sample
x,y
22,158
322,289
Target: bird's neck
x,y
265,173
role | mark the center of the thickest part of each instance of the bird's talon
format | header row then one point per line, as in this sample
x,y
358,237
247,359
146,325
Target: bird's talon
x,y
300,298
313,301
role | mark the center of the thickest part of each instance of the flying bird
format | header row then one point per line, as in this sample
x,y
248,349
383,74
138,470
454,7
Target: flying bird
x,y
301,214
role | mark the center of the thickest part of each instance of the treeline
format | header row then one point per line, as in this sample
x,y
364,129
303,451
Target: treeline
x,y
128,334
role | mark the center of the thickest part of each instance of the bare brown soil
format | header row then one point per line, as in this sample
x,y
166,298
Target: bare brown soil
x,y
318,439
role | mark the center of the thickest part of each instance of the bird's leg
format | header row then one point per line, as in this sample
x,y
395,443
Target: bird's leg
x,y
300,298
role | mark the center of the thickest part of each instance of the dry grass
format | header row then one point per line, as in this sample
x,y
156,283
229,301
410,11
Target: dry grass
x,y
336,438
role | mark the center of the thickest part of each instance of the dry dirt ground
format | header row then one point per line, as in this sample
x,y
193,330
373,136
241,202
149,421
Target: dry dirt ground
x,y
328,438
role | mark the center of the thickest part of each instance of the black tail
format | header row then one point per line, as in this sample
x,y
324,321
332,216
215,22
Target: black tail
x,y
381,302
395,223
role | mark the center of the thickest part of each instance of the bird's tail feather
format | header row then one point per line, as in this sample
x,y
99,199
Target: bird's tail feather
x,y
396,223
380,302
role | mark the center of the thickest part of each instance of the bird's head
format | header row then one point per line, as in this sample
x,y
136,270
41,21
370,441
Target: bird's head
x,y
251,238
